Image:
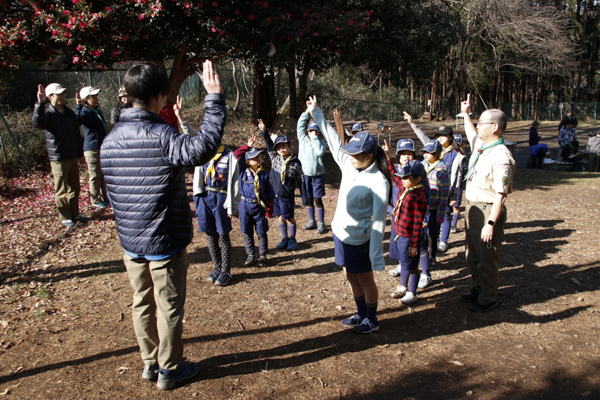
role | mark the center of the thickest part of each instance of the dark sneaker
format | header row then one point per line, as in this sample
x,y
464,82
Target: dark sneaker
x,y
249,259
82,219
469,298
453,229
100,204
150,373
366,326
321,227
310,226
481,308
223,279
214,275
262,261
168,380
283,244
68,223
292,244
352,321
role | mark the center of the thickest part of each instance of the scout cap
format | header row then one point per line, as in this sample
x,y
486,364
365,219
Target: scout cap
x,y
88,91
433,146
356,127
444,130
534,123
313,126
252,153
458,139
412,167
362,142
405,145
54,88
281,139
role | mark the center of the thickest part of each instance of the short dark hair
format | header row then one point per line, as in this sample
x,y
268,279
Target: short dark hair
x,y
144,81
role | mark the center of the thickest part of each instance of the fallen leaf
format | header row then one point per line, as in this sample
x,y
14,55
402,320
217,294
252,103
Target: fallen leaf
x,y
122,370
457,363
383,346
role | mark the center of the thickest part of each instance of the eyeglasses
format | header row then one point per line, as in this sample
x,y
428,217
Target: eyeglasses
x,y
484,123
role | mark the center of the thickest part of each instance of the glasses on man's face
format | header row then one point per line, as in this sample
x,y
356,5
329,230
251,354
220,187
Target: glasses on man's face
x,y
484,123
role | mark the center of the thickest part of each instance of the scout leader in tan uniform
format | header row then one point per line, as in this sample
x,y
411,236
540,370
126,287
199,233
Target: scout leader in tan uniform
x,y
489,181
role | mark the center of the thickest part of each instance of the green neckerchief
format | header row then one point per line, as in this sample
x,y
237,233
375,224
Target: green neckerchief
x,y
496,143
95,110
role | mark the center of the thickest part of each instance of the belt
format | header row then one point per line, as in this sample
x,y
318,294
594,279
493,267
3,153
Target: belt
x,y
249,200
219,190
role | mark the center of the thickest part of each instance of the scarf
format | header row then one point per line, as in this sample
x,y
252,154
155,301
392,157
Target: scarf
x,y
432,166
401,198
446,151
481,150
284,167
257,186
210,171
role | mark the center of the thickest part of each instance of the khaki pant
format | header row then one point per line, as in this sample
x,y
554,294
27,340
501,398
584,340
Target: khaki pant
x,y
594,162
97,184
158,300
481,260
66,187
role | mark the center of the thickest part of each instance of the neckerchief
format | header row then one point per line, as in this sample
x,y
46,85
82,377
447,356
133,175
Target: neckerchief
x,y
446,151
432,166
257,186
210,171
95,110
496,143
284,167
402,196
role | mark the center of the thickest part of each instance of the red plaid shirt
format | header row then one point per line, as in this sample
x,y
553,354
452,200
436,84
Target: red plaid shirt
x,y
408,220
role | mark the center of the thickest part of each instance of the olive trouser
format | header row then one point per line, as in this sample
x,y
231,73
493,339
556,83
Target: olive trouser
x,y
482,258
158,300
66,187
97,184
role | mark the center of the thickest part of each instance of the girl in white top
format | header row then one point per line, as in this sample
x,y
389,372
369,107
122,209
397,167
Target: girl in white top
x,y
359,221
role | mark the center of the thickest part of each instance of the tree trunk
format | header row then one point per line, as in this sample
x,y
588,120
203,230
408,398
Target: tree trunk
x,y
291,70
237,87
179,73
303,91
263,105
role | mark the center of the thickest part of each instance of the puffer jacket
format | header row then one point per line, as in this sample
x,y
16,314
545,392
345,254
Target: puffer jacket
x,y
63,138
143,160
94,131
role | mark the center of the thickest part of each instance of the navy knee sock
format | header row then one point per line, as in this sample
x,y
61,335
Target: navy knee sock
x,y
372,313
361,305
414,281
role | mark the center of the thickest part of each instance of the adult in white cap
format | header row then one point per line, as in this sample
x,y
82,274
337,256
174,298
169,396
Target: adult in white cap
x,y
65,149
95,130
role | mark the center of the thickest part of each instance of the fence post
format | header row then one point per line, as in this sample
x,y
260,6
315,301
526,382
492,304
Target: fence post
x,y
90,78
595,110
119,77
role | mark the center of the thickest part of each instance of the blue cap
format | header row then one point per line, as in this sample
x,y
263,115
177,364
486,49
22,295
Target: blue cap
x,y
252,153
445,130
433,146
356,127
405,145
281,139
458,139
362,142
313,126
412,167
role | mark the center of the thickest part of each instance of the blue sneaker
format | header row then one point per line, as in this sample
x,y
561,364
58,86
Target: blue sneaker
x,y
292,244
214,275
150,373
167,380
223,279
352,321
283,244
366,326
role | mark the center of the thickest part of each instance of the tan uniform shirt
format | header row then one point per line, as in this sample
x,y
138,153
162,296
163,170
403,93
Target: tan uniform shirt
x,y
492,174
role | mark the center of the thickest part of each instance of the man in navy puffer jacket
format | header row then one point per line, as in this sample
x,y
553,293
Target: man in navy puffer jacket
x,y
143,161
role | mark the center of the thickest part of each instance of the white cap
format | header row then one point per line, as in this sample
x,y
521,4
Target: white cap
x,y
88,91
54,88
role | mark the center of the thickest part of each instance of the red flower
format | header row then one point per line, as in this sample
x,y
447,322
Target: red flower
x,y
141,17
265,4
215,4
251,17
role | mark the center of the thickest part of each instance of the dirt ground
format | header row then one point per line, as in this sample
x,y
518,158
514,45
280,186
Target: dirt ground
x,y
274,332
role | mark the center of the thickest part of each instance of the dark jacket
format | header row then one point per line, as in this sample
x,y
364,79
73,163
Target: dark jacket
x,y
94,131
61,130
293,171
143,161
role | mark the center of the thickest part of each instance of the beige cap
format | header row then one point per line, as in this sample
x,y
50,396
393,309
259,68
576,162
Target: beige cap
x,y
55,88
88,91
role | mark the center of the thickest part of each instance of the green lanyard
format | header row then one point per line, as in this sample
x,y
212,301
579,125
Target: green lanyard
x,y
101,119
496,143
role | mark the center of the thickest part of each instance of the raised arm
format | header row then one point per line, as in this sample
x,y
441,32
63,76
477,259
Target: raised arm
x,y
330,134
339,126
470,130
380,202
264,132
416,129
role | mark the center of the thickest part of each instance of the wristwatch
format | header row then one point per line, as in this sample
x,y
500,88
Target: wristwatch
x,y
490,222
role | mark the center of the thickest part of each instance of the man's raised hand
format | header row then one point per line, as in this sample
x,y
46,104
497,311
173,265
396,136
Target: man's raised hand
x,y
41,94
210,78
311,103
465,106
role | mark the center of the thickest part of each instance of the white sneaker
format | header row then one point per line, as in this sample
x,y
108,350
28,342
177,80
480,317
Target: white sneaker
x,y
442,247
395,271
424,281
409,298
400,292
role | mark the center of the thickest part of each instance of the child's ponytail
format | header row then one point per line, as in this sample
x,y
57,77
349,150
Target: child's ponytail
x,y
382,164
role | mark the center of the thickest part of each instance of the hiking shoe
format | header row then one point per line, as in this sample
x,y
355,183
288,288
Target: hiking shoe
x,y
292,244
223,279
81,218
283,244
68,223
366,326
396,271
100,204
352,321
409,298
167,380
469,298
249,259
150,373
442,247
424,281
453,229
321,227
262,261
481,308
214,275
310,226
399,292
